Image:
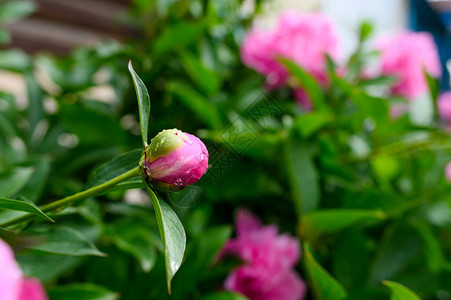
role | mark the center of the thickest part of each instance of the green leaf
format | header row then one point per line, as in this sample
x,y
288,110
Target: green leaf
x,y
63,240
380,80
47,267
365,31
324,286
172,235
115,167
81,291
198,104
206,79
132,183
371,106
308,83
351,258
8,127
35,101
143,103
177,36
135,239
13,181
399,247
385,167
5,37
434,86
317,223
400,292
22,205
15,60
224,296
35,186
201,256
14,10
92,126
303,176
434,89
310,123
433,251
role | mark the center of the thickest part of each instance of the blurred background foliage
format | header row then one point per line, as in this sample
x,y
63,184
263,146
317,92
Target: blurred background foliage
x,y
367,193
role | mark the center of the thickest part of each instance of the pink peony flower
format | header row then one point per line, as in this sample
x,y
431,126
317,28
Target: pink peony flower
x,y
10,274
31,289
13,286
448,172
406,56
303,38
444,106
259,51
175,159
269,259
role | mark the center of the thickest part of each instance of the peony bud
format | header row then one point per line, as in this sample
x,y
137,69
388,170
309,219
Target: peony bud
x,y
174,159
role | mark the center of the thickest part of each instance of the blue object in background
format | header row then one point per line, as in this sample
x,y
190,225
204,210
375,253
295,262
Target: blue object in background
x,y
423,18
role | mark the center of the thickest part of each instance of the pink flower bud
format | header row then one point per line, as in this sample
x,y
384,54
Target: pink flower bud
x,y
175,159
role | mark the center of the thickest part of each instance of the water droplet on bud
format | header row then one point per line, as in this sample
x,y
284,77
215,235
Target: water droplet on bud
x,y
178,182
157,146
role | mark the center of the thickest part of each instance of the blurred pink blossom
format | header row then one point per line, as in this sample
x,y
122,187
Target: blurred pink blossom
x,y
406,56
303,38
302,98
259,51
31,289
448,172
13,286
10,274
444,106
397,110
269,259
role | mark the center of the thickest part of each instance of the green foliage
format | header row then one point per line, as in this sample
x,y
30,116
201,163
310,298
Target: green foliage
x,y
172,235
82,291
14,10
196,102
224,296
308,83
400,292
323,284
365,193
143,103
317,223
304,184
113,168
137,240
62,240
22,205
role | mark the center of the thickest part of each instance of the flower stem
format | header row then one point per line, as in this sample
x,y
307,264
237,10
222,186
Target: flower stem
x,y
76,197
